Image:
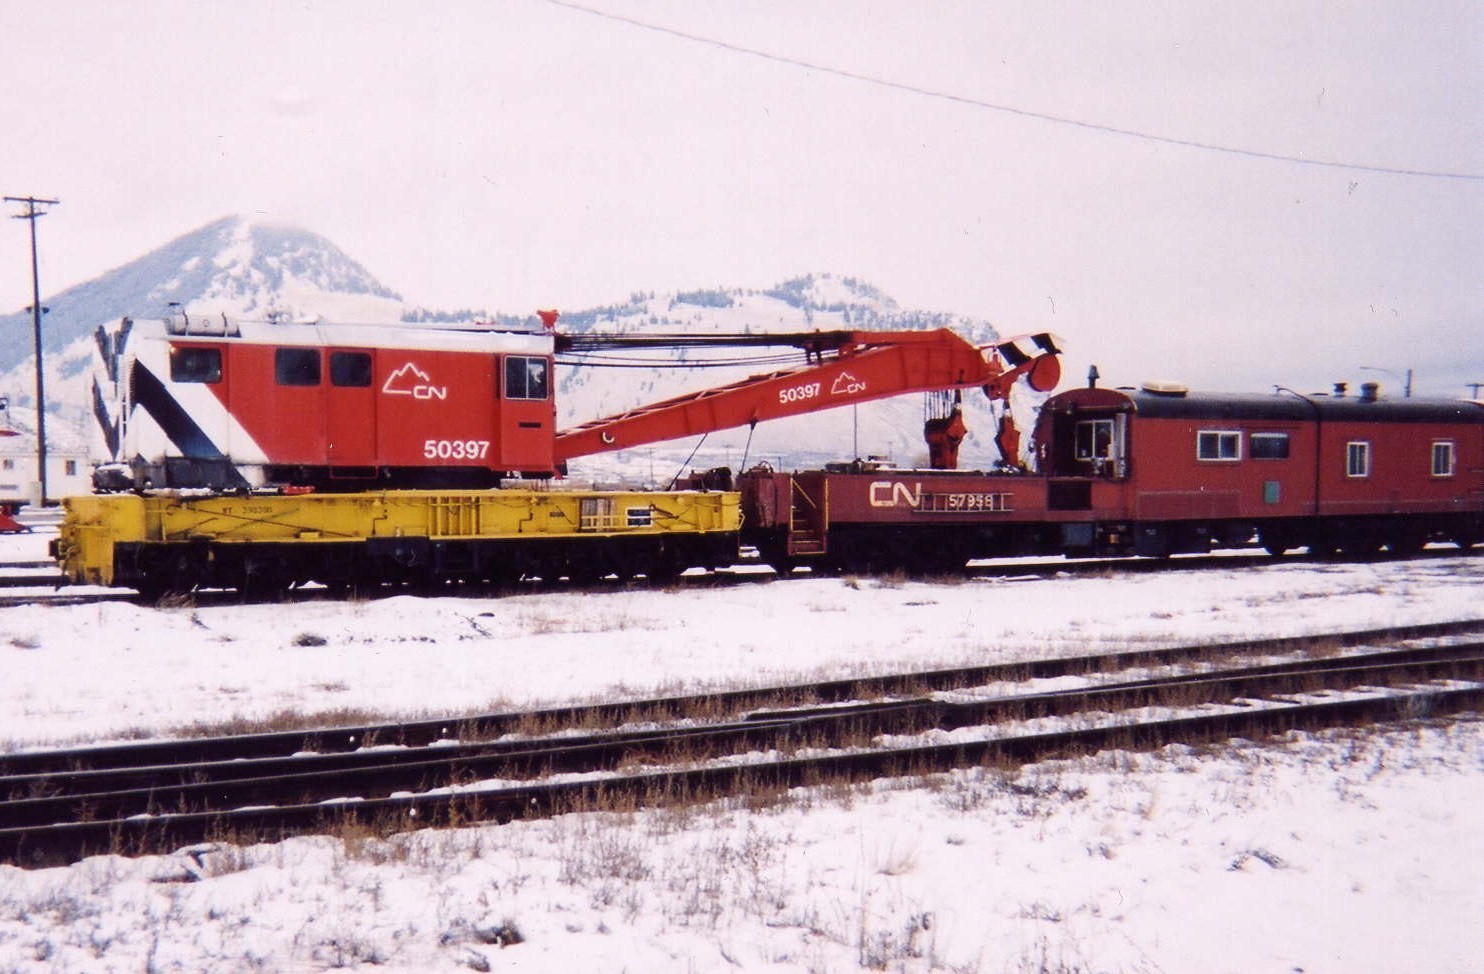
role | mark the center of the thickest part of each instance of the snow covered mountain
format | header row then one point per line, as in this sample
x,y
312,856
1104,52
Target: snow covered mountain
x,y
248,269
231,265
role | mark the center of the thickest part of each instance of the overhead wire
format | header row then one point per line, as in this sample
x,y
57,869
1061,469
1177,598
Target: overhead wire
x,y
1011,109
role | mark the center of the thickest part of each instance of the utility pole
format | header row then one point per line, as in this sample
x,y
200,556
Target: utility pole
x,y
31,214
1476,386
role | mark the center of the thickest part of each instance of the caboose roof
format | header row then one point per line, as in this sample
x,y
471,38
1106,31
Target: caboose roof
x,y
1271,406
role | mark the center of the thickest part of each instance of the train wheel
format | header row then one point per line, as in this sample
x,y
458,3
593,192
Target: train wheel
x,y
1361,547
169,579
503,579
665,568
927,566
159,592
782,565
263,586
775,555
1276,544
586,574
1406,545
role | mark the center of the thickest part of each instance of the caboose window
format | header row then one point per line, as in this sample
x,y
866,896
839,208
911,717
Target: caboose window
x,y
1094,439
296,366
525,377
189,364
1218,445
1269,446
1358,459
350,369
1442,458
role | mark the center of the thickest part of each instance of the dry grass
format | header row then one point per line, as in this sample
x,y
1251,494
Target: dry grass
x,y
279,720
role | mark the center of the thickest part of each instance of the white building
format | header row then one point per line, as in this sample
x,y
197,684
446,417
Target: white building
x,y
68,468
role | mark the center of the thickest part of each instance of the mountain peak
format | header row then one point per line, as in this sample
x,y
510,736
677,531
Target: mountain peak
x,y
245,266
275,254
233,265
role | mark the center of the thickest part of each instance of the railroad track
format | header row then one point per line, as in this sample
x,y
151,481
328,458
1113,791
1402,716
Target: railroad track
x,y
31,575
151,797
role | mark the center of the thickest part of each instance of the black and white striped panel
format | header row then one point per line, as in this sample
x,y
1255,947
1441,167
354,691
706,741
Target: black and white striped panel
x,y
1022,348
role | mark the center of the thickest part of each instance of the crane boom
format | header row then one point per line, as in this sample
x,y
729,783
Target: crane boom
x,y
843,367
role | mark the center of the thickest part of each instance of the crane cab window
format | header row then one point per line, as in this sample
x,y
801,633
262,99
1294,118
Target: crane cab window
x,y
1218,445
525,377
350,368
189,364
1358,459
296,366
1269,446
1442,458
1094,439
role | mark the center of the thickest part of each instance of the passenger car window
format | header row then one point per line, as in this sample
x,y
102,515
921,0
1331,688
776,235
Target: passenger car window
x,y
1442,458
1269,446
1218,445
296,366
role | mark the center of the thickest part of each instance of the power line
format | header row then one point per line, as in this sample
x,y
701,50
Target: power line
x,y
1011,109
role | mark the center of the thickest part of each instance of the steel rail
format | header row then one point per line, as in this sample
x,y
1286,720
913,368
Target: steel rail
x,y
379,774
492,725
728,576
68,842
146,786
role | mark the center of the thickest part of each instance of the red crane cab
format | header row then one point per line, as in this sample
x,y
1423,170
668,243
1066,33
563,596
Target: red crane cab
x,y
207,403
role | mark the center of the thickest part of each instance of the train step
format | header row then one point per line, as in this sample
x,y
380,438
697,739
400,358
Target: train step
x,y
806,543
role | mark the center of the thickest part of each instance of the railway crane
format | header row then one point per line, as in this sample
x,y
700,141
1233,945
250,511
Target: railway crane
x,y
841,368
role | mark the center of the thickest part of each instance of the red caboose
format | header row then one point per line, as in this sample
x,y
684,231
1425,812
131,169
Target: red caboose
x,y
1161,470
1153,472
203,403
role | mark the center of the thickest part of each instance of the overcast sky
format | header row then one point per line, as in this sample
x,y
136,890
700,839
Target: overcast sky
x,y
510,155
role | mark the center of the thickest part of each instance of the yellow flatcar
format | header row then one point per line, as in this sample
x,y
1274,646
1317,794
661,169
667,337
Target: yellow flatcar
x,y
261,544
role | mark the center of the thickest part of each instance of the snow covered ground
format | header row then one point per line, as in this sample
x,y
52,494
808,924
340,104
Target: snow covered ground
x,y
1335,852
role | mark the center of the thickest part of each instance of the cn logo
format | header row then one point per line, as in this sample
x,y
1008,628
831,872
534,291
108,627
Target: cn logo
x,y
412,381
847,385
894,493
